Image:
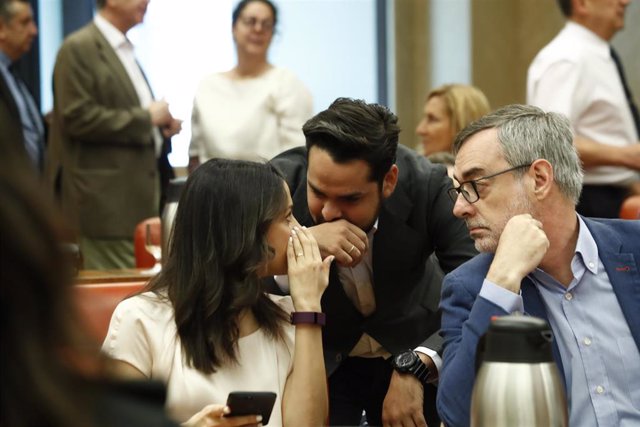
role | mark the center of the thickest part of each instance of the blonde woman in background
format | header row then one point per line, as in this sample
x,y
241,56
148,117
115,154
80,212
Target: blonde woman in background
x,y
447,111
255,108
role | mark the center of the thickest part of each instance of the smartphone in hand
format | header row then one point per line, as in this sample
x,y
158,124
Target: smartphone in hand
x,y
251,403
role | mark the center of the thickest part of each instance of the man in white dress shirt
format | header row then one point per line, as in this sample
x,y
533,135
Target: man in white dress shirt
x,y
109,137
579,75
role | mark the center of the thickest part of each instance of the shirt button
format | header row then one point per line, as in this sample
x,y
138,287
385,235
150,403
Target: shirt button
x,y
568,296
587,341
591,265
599,389
339,358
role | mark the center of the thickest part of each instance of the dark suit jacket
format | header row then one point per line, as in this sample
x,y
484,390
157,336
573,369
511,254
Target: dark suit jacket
x,y
416,220
466,317
11,137
102,156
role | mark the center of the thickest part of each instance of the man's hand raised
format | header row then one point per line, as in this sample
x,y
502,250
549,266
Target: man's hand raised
x,y
347,242
522,246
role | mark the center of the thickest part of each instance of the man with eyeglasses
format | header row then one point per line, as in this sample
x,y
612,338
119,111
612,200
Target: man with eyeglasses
x,y
519,181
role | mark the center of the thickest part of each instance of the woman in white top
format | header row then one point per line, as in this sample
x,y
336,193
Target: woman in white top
x,y
254,109
206,327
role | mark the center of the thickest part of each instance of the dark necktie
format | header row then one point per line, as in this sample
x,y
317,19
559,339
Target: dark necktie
x,y
627,91
33,144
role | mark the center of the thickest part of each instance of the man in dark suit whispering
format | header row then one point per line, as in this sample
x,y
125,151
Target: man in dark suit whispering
x,y
381,210
109,138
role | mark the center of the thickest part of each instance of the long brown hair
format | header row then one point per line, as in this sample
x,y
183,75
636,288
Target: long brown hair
x,y
217,250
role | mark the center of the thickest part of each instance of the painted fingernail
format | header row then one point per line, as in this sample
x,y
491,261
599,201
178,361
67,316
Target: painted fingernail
x,y
226,410
259,418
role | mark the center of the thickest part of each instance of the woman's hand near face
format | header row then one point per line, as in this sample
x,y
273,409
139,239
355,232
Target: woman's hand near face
x,y
308,272
213,416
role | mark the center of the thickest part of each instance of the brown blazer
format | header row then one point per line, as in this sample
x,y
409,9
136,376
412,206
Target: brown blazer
x,y
101,161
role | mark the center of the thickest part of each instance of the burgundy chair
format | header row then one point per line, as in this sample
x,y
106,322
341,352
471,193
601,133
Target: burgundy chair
x,y
630,208
97,302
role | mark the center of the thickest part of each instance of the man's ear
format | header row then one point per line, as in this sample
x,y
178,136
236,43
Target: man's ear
x,y
543,178
390,181
579,7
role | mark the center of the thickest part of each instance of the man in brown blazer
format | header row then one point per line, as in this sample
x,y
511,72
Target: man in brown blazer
x,y
109,137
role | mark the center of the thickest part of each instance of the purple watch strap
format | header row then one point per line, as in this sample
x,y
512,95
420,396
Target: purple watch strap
x,y
308,317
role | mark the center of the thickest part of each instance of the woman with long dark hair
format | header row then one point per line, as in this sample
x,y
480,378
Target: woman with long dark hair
x,y
205,324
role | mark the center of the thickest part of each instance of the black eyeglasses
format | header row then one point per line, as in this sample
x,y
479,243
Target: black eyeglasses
x,y
473,196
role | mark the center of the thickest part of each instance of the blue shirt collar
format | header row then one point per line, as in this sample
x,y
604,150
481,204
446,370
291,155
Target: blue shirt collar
x,y
5,61
585,257
586,247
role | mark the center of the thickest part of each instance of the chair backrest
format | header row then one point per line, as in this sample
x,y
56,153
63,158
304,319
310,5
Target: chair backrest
x,y
630,208
96,304
143,257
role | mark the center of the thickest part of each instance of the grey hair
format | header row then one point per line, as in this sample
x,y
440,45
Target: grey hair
x,y
526,133
6,8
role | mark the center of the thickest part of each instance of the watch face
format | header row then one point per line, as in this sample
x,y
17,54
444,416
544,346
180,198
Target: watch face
x,y
405,360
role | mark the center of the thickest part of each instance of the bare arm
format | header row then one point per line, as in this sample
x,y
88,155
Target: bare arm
x,y
593,154
305,401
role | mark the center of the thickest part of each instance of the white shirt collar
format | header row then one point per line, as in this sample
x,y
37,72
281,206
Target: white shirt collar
x,y
114,37
374,228
597,43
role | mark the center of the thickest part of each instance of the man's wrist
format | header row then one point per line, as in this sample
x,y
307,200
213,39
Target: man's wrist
x,y
410,362
431,366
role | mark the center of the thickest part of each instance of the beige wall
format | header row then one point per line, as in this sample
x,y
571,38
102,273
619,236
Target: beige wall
x,y
412,64
506,35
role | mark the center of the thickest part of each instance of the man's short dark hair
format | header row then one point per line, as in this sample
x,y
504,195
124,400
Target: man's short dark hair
x,y
354,130
100,3
566,7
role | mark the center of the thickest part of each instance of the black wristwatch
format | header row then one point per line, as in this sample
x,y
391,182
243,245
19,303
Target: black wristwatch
x,y
408,362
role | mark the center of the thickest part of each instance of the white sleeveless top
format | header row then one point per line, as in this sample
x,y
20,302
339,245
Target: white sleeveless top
x,y
143,333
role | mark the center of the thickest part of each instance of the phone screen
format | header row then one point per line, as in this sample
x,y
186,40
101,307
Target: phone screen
x,y
251,403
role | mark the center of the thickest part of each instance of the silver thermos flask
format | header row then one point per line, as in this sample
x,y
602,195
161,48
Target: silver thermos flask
x,y
174,190
518,383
